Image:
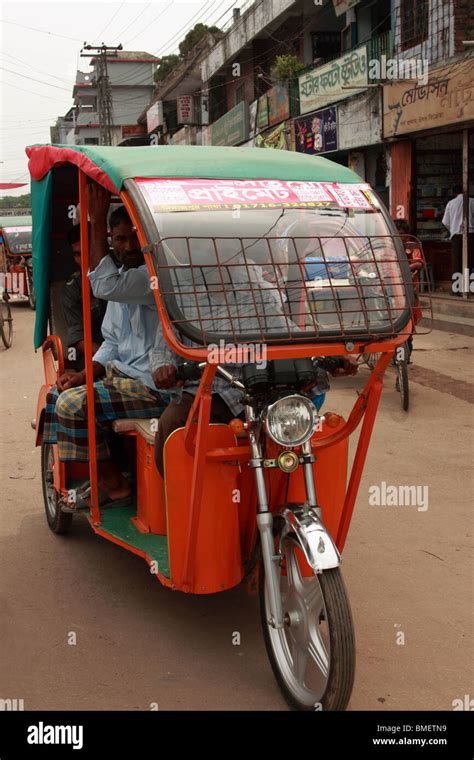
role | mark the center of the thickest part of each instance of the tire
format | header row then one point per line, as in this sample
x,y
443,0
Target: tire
x,y
328,622
31,289
6,323
59,522
403,387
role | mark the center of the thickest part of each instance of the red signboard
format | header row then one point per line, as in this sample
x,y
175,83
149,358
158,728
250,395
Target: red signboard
x,y
195,194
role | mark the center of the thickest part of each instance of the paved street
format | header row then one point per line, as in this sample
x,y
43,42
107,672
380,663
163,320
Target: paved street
x,y
408,571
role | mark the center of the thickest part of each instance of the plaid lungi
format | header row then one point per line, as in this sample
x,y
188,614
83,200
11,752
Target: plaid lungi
x,y
115,398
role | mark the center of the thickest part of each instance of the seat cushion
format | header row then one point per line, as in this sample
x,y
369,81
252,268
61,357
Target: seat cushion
x,y
141,426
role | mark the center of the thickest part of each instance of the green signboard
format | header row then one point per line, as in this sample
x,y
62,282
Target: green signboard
x,y
262,113
233,127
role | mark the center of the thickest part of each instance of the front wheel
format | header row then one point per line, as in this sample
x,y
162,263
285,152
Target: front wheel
x,y
59,522
6,322
402,383
313,655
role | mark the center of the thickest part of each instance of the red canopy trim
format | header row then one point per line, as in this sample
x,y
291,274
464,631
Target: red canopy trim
x,y
11,185
45,157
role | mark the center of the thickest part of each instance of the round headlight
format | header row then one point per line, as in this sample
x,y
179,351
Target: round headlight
x,y
291,420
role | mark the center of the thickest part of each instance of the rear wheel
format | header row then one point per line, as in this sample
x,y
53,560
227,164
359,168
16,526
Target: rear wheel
x,y
313,655
58,521
6,322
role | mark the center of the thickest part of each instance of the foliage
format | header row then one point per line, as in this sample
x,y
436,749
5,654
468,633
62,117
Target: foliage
x,y
285,68
16,201
167,64
193,37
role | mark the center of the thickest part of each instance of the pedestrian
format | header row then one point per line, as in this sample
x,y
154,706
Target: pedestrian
x,y
453,221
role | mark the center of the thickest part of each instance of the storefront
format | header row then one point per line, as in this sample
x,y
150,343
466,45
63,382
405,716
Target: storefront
x,y
360,139
435,124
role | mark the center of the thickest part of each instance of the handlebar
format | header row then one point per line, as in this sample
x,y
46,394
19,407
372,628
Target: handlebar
x,y
189,371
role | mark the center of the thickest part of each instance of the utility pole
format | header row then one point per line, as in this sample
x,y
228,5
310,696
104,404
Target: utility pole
x,y
104,95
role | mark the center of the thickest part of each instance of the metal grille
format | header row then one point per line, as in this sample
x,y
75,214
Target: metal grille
x,y
276,290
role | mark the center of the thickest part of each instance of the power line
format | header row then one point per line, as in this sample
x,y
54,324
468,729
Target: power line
x,y
186,26
110,22
32,79
22,62
32,92
41,31
116,36
149,24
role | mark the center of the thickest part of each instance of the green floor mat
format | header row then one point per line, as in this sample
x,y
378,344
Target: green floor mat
x,y
118,522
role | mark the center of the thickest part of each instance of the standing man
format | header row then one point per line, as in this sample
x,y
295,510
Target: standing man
x,y
453,220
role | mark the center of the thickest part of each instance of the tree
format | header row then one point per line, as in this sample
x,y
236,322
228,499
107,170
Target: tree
x,y
285,68
15,201
193,37
167,64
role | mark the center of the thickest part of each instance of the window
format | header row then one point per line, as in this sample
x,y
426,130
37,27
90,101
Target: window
x,y
239,93
414,16
325,45
91,141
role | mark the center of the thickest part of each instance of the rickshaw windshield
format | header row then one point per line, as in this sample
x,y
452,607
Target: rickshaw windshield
x,y
236,260
18,239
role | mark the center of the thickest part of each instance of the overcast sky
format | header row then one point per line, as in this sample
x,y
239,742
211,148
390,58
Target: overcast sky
x,y
39,63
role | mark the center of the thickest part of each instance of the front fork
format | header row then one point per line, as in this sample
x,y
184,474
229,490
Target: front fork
x,y
271,558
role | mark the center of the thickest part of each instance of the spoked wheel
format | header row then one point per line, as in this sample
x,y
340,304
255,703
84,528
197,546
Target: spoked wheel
x,y
372,360
58,521
313,655
402,383
6,322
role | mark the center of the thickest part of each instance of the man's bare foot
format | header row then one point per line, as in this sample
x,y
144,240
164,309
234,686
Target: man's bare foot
x,y
119,489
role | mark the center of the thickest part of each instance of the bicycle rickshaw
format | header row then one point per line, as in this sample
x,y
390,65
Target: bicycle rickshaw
x,y
255,236
16,256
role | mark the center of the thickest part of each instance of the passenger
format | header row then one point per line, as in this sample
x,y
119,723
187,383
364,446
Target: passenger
x,y
124,386
212,313
71,299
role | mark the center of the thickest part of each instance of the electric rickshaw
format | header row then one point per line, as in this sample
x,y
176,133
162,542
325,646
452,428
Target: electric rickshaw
x,y
263,265
16,256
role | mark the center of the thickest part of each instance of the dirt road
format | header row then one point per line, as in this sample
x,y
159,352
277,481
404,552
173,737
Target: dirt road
x,y
408,571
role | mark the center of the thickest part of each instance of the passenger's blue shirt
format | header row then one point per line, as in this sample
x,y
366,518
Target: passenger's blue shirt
x,y
131,320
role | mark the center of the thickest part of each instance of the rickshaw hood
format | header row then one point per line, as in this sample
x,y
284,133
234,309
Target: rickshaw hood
x,y
111,166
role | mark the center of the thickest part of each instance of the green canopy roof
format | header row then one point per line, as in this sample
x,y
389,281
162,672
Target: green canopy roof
x,y
113,165
15,221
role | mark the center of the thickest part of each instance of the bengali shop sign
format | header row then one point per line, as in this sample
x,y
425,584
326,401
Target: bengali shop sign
x,y
447,98
205,194
185,109
325,84
316,132
233,127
